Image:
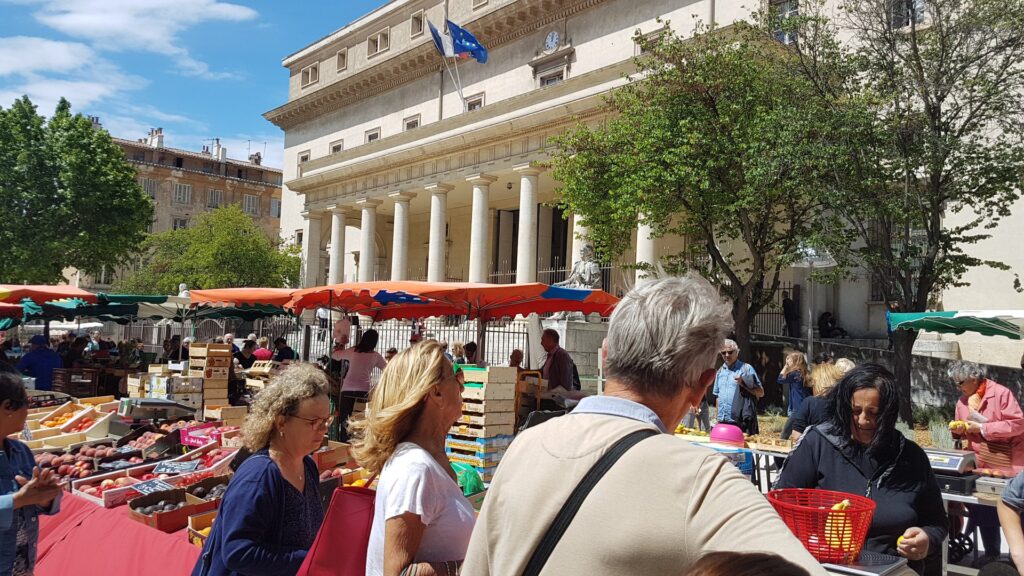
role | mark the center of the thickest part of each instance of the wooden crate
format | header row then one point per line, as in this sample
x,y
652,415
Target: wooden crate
x,y
224,412
264,368
485,406
489,391
473,444
488,419
491,374
215,396
202,350
475,459
215,383
210,373
201,362
486,431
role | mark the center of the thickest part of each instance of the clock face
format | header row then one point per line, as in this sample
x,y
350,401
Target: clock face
x,y
551,42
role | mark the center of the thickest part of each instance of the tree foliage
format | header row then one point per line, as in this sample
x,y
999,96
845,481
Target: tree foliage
x,y
715,141
225,248
68,197
927,99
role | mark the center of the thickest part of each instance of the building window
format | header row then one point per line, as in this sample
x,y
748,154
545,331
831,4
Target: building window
x,y
298,237
417,24
275,207
905,12
342,59
180,223
139,156
303,157
372,135
150,186
378,42
479,3
251,204
310,74
214,198
182,193
337,146
552,78
475,102
412,122
785,9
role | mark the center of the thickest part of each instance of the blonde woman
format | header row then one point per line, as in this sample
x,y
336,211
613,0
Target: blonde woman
x,y
794,374
271,512
422,523
459,352
814,410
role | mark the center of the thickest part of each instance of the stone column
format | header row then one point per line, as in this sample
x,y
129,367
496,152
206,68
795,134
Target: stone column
x,y
368,240
336,269
436,265
478,231
400,240
311,248
646,251
526,265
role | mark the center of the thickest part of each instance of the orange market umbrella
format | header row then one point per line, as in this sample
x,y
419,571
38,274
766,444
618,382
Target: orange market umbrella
x,y
239,297
40,294
379,300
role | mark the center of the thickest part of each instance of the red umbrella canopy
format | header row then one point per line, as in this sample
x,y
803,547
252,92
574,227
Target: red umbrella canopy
x,y
11,311
239,297
485,301
13,293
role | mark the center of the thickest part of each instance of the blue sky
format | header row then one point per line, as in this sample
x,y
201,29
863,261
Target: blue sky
x,y
198,68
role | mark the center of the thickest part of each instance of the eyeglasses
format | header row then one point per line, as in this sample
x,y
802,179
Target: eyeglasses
x,y
317,423
728,352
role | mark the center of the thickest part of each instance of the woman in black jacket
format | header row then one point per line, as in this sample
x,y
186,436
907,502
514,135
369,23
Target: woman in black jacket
x,y
860,451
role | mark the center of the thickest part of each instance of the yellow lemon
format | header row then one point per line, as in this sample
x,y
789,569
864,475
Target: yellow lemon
x,y
838,529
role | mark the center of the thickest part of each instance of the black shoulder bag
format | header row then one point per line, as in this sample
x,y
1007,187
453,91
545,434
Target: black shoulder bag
x,y
579,494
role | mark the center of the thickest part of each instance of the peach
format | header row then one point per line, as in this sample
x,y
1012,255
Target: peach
x,y
107,483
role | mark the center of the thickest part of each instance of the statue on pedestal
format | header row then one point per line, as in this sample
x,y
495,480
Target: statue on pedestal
x,y
183,290
586,273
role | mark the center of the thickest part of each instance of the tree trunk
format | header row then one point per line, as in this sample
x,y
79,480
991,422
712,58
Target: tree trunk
x,y
903,346
741,319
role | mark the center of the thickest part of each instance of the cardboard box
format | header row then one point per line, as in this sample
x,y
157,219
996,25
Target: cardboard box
x,y
205,349
163,385
331,455
477,500
198,435
194,401
207,484
199,522
224,412
173,520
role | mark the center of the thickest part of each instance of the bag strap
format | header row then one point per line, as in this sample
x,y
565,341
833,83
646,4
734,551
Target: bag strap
x,y
579,494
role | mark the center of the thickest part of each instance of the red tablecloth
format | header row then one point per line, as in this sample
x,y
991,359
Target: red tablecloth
x,y
88,540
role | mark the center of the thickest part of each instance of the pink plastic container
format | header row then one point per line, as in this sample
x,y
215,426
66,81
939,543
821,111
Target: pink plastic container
x,y
728,434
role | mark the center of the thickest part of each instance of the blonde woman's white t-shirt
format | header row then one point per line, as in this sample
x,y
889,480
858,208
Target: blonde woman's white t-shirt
x,y
412,481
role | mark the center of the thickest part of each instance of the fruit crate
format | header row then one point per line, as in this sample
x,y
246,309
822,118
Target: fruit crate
x,y
220,465
331,455
173,520
114,497
205,349
217,373
488,419
264,368
202,488
491,374
197,524
199,434
475,459
489,391
70,409
95,401
217,412
482,431
199,363
493,444
99,427
487,406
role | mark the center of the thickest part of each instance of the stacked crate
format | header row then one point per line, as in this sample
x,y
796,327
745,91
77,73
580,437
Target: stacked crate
x,y
212,363
485,430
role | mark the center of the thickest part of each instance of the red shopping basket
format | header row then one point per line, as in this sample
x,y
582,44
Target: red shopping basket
x,y
835,536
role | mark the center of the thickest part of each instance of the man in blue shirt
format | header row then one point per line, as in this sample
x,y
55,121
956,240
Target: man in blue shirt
x,y
733,373
40,362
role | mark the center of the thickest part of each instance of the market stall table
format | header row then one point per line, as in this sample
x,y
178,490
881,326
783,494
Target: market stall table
x,y
89,540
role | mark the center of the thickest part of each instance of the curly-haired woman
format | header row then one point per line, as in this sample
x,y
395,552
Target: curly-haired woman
x,y
271,512
422,522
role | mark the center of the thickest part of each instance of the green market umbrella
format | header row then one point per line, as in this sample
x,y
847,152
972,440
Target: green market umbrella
x,y
1009,323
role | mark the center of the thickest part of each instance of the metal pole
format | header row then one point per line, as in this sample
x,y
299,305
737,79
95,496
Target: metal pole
x,y
810,313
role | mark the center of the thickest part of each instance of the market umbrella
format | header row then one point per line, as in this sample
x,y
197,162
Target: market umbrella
x,y
379,300
11,311
15,293
242,297
1009,323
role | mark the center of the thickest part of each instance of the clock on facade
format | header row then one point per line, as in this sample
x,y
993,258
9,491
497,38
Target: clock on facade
x,y
551,42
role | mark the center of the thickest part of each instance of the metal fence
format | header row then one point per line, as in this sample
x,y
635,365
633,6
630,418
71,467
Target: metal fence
x,y
770,320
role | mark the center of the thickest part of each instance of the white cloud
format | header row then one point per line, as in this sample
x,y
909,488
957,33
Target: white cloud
x,y
152,26
32,55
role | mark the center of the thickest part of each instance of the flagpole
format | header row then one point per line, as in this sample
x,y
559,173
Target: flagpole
x,y
464,106
458,85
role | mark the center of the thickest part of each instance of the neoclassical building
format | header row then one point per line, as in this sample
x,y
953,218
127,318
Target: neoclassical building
x,y
390,174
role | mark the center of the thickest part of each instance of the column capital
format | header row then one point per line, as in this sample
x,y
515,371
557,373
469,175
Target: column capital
x,y
439,188
343,210
479,179
402,196
368,203
528,169
311,214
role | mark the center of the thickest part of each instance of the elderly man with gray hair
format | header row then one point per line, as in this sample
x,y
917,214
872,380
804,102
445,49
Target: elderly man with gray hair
x,y
608,489
990,419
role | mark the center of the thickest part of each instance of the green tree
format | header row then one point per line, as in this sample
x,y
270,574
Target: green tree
x,y
715,141
927,104
225,248
68,197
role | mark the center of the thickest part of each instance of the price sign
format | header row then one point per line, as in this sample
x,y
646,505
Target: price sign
x,y
176,467
151,486
126,449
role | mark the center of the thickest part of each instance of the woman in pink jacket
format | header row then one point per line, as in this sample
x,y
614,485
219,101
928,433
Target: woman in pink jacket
x,y
989,418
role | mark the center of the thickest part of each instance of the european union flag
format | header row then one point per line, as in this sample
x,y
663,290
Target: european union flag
x,y
464,41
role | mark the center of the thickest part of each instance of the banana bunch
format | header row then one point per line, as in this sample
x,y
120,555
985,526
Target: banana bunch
x,y
838,528
958,427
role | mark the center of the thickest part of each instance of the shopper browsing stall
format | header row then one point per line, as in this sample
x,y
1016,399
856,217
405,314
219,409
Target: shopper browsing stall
x,y
422,522
860,451
271,512
40,362
737,387
25,491
283,352
362,360
794,374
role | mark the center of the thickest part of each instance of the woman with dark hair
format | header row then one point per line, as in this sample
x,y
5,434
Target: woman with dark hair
x,y
362,360
25,491
860,451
